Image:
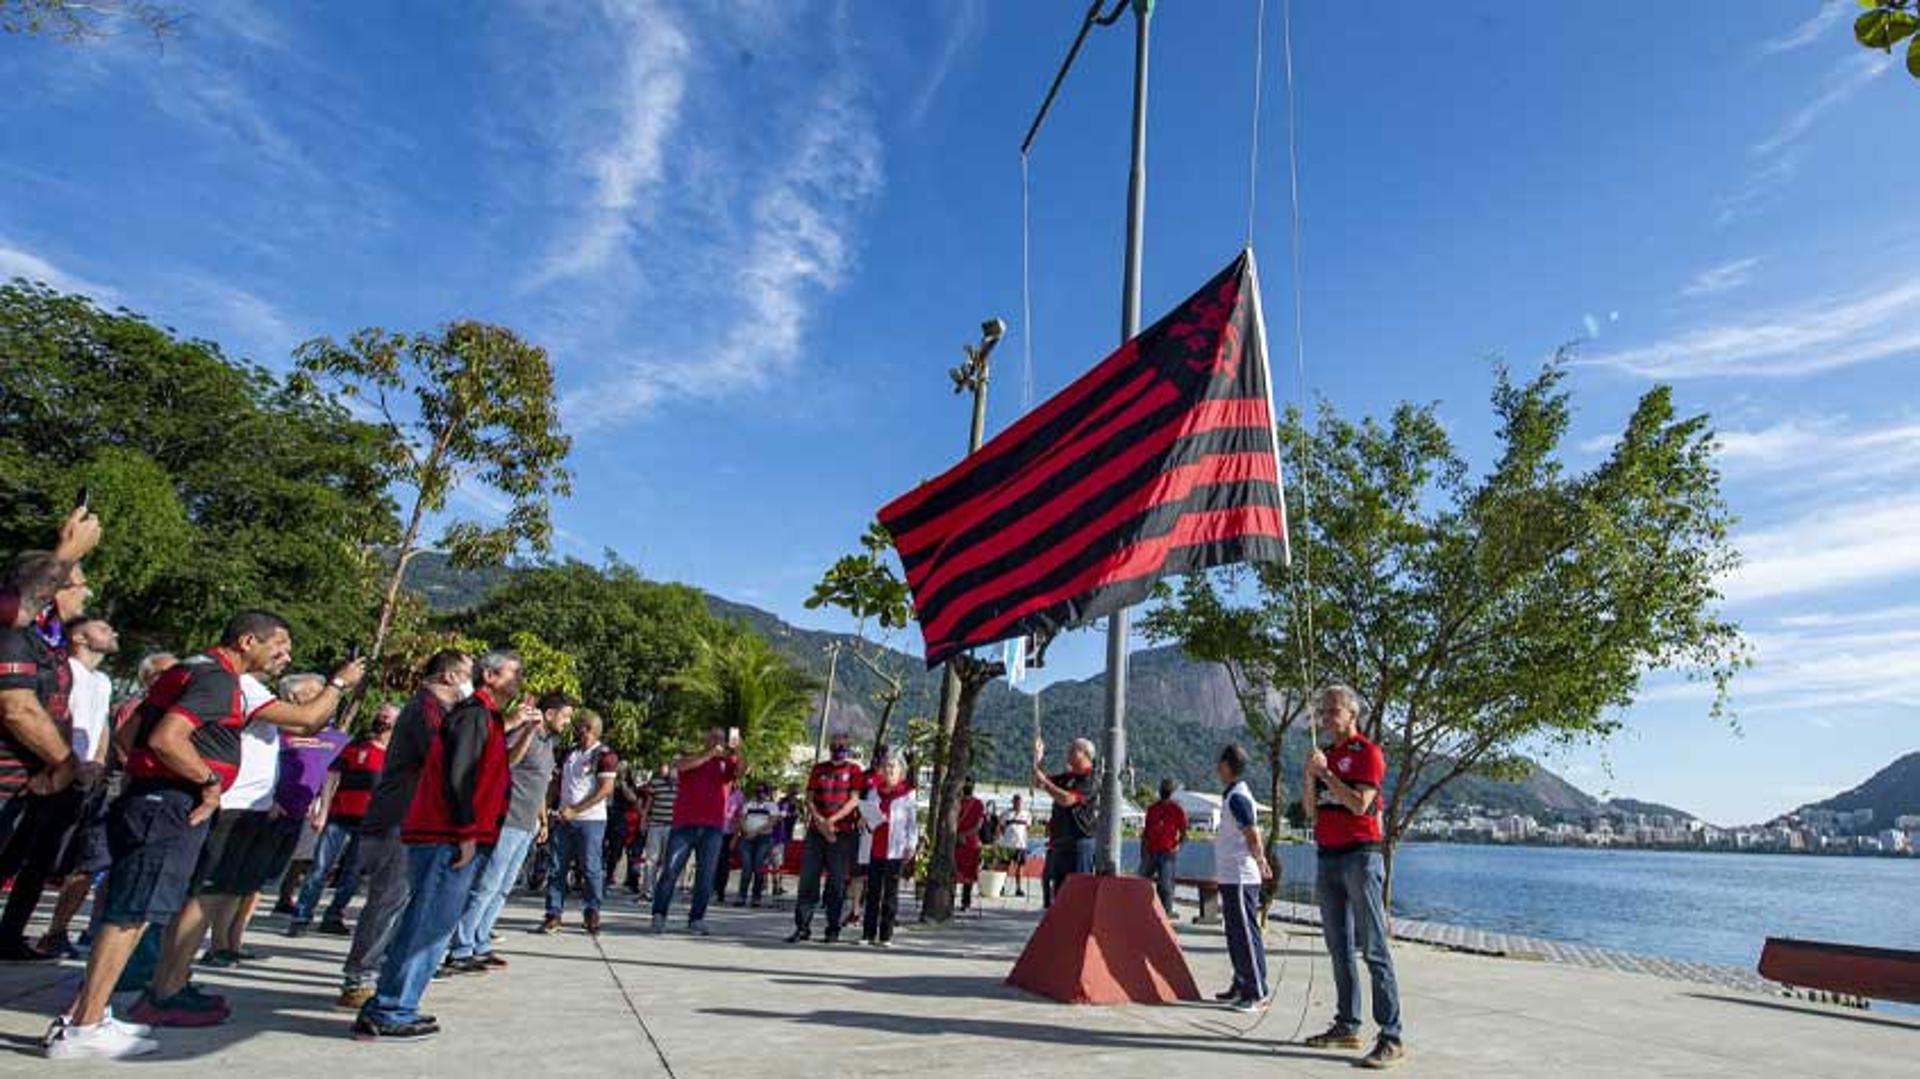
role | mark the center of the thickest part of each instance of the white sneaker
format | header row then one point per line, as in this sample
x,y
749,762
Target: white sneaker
x,y
103,1041
138,1030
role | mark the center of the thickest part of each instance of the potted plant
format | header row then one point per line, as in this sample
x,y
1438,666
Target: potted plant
x,y
995,859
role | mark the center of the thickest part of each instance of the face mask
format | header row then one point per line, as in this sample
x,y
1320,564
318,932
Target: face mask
x,y
840,753
465,689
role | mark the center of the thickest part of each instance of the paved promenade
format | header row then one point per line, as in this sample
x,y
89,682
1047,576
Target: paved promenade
x,y
743,1005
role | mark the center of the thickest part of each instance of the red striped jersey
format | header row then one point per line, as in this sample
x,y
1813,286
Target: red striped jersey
x,y
1160,460
27,662
212,695
359,767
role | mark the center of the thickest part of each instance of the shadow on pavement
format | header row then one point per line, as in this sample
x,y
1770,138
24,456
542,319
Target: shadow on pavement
x,y
1811,1010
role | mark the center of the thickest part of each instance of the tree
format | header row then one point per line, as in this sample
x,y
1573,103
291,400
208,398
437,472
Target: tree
x,y
1886,24
220,485
864,585
1479,617
482,410
737,680
73,22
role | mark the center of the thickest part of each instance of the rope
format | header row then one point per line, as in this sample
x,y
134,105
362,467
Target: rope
x,y
1026,289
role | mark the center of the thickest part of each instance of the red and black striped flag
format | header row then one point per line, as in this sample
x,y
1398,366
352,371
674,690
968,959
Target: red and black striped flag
x,y
1161,460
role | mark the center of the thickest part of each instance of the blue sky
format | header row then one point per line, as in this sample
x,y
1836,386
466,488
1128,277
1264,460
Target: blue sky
x,y
755,234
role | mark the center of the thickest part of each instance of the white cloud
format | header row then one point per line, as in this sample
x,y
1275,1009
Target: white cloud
x,y
800,246
1829,547
1808,30
255,324
1722,278
1829,448
967,23
18,262
1776,158
1837,333
625,160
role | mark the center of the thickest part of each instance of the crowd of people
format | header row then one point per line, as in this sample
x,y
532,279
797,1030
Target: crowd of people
x,y
179,808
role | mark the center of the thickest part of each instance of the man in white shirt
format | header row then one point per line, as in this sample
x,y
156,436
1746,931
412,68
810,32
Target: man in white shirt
x,y
89,642
1239,865
241,843
580,825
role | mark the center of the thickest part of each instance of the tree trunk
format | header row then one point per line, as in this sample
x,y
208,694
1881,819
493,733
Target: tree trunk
x,y
1389,843
942,868
880,728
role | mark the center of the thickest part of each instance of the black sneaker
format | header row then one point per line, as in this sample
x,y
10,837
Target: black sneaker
x,y
334,927
1334,1038
366,1030
799,935
469,965
296,929
1387,1053
832,937
18,950
1227,995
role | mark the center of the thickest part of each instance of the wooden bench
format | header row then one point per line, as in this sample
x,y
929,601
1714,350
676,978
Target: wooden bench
x,y
1209,892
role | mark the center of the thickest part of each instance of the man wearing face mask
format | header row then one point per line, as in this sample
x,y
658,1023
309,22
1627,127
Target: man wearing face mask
x,y
458,808
834,787
446,681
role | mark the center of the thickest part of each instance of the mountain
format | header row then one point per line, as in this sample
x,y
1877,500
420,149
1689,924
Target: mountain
x,y
1891,792
1180,712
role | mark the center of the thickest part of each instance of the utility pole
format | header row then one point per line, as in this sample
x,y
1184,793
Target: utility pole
x,y
1107,844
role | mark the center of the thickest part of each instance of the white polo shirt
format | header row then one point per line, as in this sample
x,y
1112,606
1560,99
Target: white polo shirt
x,y
582,774
259,752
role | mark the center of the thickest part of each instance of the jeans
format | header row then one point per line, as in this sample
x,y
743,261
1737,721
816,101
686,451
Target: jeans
x,y
723,867
834,857
883,899
702,843
1065,858
383,861
420,942
491,886
1352,915
656,856
1159,868
582,843
1240,909
753,864
337,842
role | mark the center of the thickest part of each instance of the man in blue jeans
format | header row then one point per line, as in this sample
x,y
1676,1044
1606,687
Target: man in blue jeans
x,y
1341,796
1076,811
337,814
530,743
699,818
587,780
458,807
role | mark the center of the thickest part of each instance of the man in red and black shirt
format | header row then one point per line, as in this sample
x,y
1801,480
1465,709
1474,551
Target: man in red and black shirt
x,y
1076,811
458,807
1160,840
832,807
338,812
184,753
1342,798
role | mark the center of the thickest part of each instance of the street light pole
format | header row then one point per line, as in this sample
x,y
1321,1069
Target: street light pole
x,y
1107,843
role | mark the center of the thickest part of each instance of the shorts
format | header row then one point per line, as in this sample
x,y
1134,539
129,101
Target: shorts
x,y
87,849
154,853
244,850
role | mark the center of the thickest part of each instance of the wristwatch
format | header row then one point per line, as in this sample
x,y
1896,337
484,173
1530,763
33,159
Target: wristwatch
x,y
336,683
212,780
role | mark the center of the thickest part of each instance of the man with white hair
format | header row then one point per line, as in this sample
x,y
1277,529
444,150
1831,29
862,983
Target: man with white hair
x,y
1076,812
1341,796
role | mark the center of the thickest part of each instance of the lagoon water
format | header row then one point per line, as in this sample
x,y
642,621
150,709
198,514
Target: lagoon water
x,y
1708,908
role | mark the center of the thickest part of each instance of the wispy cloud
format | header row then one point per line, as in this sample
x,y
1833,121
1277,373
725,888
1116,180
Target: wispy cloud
x,y
1830,547
1725,277
1829,450
800,246
19,262
623,159
1807,31
1775,159
1820,337
963,29
237,316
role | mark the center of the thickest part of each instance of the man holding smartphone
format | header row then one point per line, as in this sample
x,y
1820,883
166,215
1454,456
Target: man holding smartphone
x,y
699,817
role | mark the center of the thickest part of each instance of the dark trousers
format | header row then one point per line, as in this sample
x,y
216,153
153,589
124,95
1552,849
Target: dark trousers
x,y
1063,860
1240,910
883,899
753,865
41,832
834,857
1158,867
722,871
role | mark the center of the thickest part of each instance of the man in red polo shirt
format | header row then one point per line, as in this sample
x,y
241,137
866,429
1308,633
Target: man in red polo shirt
x,y
1160,840
185,752
1342,799
699,821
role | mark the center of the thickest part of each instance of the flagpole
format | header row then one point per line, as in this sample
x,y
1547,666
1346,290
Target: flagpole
x,y
1107,845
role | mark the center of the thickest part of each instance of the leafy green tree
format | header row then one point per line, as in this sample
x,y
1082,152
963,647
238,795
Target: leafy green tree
x,y
737,680
73,21
1480,616
283,493
1887,23
471,403
864,585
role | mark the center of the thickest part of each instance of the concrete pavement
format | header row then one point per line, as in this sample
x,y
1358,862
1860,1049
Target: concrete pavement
x,y
744,1005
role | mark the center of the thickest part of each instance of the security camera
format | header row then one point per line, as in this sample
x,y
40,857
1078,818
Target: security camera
x,y
993,330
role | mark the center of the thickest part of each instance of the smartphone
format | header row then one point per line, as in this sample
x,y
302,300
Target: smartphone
x,y
353,653
80,500
733,736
